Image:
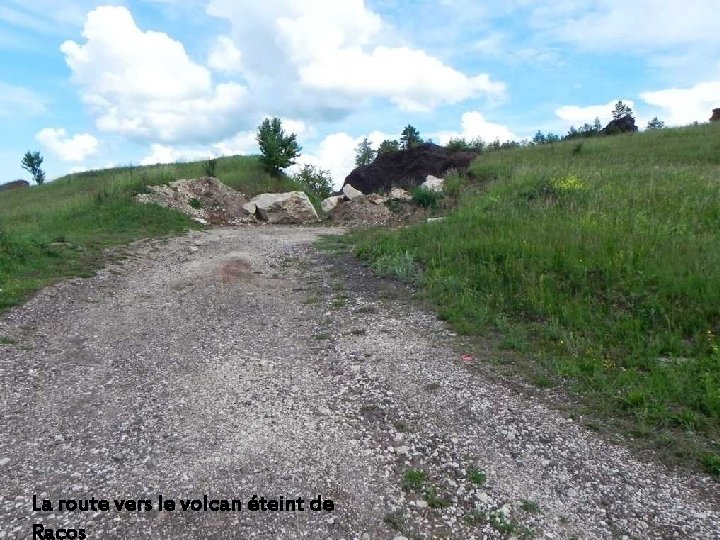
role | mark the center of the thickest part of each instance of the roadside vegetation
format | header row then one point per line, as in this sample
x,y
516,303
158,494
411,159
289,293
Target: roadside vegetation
x,y
61,229
599,265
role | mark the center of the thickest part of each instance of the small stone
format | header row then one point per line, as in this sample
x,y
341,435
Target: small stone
x,y
4,461
421,504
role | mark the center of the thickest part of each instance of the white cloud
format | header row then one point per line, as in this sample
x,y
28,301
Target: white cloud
x,y
16,101
577,115
160,153
614,24
683,106
242,143
473,125
225,57
144,85
410,78
76,148
338,54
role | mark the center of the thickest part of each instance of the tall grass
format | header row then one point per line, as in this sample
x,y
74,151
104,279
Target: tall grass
x,y
61,228
606,261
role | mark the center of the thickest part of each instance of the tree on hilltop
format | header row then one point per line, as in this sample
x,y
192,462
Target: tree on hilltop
x,y
278,149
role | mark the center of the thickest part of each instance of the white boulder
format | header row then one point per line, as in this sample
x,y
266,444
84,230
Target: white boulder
x,y
433,183
398,194
331,202
292,207
351,193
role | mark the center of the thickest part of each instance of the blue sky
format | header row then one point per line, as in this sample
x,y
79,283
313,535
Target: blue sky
x,y
92,84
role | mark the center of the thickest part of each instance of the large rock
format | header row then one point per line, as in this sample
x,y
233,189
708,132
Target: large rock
x,y
407,168
331,202
433,183
351,193
293,207
398,194
15,184
624,124
715,115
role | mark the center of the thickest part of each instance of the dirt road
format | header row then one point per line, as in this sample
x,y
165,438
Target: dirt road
x,y
240,362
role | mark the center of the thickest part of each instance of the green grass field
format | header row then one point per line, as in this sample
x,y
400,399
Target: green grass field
x,y
61,228
600,266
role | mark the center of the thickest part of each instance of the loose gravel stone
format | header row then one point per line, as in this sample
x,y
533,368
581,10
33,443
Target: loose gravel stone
x,y
256,366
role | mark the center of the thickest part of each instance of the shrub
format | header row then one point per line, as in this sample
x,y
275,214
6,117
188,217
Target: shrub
x,y
315,181
427,198
209,167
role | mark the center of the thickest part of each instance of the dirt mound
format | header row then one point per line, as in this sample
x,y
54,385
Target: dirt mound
x,y
15,184
206,200
360,211
407,168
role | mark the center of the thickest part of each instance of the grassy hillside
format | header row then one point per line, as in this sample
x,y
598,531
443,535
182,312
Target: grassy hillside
x,y
60,229
601,264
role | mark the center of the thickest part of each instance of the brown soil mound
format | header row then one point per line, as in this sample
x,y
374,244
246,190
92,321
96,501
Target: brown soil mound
x,y
407,168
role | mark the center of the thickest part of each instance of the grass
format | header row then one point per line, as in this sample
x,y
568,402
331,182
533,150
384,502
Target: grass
x,y
601,266
61,229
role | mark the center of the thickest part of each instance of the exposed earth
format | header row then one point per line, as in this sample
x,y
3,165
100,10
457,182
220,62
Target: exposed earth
x,y
241,361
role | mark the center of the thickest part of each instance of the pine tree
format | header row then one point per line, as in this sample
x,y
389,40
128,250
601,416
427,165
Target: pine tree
x,y
410,137
364,153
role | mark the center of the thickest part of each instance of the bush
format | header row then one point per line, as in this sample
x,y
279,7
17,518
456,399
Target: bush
x,y
209,167
427,198
315,181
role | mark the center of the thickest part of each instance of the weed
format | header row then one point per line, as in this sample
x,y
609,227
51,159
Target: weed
x,y
530,507
414,480
433,499
477,476
427,198
358,331
395,520
7,341
209,167
711,462
195,203
399,265
402,426
323,337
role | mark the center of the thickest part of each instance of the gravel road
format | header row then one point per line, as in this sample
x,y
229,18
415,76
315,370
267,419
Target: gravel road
x,y
241,362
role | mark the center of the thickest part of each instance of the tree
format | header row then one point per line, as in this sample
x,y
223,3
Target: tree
x,y
621,111
656,123
539,138
388,146
31,163
364,153
278,149
410,137
315,181
597,125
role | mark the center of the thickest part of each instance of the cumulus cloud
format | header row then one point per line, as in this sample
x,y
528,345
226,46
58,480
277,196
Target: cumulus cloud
x,y
225,57
683,106
143,84
160,153
577,115
336,53
76,148
473,124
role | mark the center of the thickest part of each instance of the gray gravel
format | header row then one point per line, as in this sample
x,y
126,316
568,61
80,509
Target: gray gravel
x,y
240,362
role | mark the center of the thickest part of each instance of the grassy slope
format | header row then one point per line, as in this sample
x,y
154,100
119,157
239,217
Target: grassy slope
x,y
60,229
602,265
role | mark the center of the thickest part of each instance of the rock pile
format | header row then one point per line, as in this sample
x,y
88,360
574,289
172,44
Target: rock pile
x,y
715,115
206,200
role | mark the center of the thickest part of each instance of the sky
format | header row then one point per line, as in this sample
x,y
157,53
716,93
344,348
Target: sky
x,y
93,84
